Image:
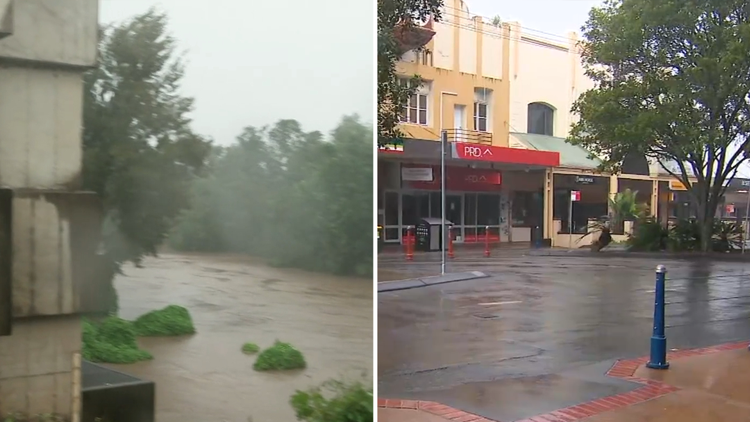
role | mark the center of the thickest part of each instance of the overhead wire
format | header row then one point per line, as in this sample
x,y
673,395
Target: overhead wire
x,y
487,20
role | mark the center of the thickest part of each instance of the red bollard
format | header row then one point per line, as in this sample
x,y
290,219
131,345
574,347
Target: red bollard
x,y
450,242
487,241
409,244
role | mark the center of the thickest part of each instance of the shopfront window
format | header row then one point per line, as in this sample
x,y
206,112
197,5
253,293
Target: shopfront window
x,y
488,209
526,211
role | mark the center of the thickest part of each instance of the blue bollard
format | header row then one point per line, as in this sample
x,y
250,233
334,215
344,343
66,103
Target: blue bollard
x,y
658,358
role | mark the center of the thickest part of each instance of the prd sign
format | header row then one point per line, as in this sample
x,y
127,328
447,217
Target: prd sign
x,y
477,152
473,178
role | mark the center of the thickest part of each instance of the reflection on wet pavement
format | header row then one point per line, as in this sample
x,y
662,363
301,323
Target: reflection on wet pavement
x,y
234,300
515,337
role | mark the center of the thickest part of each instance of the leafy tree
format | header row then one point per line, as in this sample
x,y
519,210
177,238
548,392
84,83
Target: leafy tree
x,y
396,35
290,196
673,79
140,153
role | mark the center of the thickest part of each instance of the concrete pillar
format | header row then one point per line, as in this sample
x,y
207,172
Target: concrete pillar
x,y
654,209
549,198
613,189
44,53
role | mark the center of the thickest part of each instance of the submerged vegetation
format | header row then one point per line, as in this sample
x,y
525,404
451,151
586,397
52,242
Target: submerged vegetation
x,y
111,341
171,321
280,357
114,340
250,348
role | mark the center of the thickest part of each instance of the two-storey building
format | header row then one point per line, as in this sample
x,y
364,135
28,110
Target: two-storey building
x,y
466,69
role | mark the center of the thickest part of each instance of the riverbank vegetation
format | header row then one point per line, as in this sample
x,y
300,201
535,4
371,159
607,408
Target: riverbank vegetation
x,y
280,357
334,401
288,195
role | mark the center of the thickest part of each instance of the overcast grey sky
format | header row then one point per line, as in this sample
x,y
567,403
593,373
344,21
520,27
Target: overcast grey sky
x,y
554,16
255,62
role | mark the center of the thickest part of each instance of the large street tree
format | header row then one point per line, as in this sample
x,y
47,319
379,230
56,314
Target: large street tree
x,y
672,83
397,34
140,153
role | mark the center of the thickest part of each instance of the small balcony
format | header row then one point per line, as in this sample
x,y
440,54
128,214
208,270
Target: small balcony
x,y
469,136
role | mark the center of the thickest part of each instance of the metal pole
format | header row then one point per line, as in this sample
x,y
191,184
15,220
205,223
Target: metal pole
x,y
744,229
570,221
658,359
443,231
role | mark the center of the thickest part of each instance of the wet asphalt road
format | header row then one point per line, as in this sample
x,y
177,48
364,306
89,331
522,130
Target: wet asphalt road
x,y
539,334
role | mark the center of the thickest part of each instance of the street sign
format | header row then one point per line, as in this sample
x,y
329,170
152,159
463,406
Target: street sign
x,y
575,195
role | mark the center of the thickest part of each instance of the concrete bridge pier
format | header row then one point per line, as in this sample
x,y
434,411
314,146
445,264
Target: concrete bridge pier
x,y
50,273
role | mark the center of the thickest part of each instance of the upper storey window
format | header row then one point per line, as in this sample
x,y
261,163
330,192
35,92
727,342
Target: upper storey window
x,y
540,119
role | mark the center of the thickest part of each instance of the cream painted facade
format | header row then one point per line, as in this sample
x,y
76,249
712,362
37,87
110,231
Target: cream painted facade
x,y
466,58
547,72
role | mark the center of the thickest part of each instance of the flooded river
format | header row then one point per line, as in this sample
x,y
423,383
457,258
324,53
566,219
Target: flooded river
x,y
233,300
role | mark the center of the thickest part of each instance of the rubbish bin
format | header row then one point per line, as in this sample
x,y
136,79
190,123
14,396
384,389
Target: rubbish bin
x,y
429,232
380,239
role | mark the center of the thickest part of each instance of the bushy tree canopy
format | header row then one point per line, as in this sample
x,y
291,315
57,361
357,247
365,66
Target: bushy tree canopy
x,y
288,195
673,79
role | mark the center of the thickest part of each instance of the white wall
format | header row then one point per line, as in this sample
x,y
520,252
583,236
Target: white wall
x,y
56,31
546,72
40,127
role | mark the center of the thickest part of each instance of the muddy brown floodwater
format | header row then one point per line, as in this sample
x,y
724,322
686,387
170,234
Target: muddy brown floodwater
x,y
233,300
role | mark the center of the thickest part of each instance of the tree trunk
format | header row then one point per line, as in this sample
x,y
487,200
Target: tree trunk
x,y
707,224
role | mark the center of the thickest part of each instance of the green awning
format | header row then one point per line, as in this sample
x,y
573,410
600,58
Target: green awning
x,y
570,155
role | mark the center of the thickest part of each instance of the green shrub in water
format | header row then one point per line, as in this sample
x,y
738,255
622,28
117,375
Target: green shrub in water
x,y
334,401
250,348
111,341
171,321
280,356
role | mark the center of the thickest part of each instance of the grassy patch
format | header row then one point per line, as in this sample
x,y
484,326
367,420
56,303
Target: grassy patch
x,y
334,401
250,348
171,321
281,356
111,341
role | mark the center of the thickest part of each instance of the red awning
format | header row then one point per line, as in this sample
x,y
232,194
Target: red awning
x,y
491,154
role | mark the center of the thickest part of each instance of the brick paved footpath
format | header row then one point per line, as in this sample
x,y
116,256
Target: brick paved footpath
x,y
702,385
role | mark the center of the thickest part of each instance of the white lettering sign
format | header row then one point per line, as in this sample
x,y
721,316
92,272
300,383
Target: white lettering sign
x,y
476,152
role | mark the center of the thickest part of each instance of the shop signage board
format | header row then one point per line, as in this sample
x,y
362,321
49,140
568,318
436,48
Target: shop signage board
x,y
493,154
677,185
460,179
417,174
585,180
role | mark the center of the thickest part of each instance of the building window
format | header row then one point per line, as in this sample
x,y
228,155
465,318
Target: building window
x,y
482,97
540,119
415,111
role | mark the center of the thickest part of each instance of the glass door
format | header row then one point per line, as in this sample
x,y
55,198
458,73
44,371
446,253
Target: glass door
x,y
391,206
482,210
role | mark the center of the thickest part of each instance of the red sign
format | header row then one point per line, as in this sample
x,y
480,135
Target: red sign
x,y
462,179
730,208
575,195
530,157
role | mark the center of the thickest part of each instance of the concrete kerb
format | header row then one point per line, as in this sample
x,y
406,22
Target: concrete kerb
x,y
413,283
586,252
